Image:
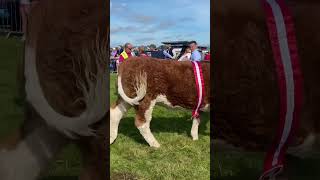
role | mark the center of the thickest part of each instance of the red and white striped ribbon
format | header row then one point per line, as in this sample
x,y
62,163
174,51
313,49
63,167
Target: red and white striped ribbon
x,y
197,70
283,41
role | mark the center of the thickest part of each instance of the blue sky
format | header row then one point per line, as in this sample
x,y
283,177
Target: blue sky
x,y
143,22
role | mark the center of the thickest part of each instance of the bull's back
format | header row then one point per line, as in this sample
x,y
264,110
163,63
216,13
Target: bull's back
x,y
172,79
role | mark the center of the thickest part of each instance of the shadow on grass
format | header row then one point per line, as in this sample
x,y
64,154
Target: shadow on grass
x,y
180,125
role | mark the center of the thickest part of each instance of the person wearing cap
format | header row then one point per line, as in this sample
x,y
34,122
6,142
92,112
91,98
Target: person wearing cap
x,y
166,53
126,53
195,54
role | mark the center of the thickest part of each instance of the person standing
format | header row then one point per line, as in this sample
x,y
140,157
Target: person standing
x,y
195,54
126,53
207,56
166,53
186,56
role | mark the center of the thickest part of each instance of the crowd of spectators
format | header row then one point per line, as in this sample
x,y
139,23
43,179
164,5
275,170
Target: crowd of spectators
x,y
190,53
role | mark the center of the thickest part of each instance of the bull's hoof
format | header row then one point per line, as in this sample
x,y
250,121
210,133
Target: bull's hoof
x,y
195,138
155,144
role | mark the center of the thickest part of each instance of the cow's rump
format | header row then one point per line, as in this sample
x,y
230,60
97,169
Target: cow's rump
x,y
62,31
67,42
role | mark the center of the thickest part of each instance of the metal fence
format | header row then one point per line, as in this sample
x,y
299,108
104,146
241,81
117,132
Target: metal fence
x,y
10,19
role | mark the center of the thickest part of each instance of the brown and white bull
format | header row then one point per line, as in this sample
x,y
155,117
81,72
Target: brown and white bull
x,y
143,82
246,94
66,84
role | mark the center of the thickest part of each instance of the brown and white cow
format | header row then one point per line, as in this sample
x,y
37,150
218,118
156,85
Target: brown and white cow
x,y
66,85
246,93
143,82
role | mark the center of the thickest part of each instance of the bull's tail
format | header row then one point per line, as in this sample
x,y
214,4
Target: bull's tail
x,y
95,96
140,88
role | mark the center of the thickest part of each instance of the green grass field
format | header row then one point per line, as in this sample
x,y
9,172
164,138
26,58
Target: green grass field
x,y
178,157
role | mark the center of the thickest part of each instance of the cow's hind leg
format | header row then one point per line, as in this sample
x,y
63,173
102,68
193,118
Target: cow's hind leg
x,y
143,119
116,114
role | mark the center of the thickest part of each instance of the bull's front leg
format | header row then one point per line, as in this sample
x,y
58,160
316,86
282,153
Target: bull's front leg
x,y
195,129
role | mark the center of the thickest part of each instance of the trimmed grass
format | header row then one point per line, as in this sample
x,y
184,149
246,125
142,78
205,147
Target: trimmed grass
x,y
178,157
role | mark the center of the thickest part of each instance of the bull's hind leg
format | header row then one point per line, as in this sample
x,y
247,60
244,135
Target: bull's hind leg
x,y
116,114
143,119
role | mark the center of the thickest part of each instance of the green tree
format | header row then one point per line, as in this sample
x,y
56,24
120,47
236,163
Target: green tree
x,y
153,46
